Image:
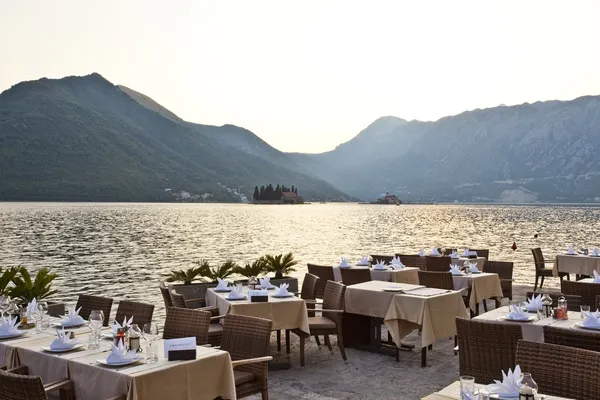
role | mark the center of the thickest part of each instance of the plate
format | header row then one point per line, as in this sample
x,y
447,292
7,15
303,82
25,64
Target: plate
x,y
283,297
593,328
108,335
236,299
475,272
267,288
50,350
13,335
532,311
392,289
529,319
380,269
127,362
344,266
359,265
63,325
222,290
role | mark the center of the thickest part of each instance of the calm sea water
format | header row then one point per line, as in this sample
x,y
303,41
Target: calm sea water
x,y
124,250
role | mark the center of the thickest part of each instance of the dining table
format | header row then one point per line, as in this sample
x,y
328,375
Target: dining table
x,y
452,392
402,275
483,286
460,261
579,264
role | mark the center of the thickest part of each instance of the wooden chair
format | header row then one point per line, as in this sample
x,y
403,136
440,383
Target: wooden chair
x,y
579,338
247,340
573,301
439,264
587,290
352,276
185,322
560,370
165,295
89,303
485,253
141,312
440,280
504,270
330,323
540,268
325,273
411,260
384,259
486,348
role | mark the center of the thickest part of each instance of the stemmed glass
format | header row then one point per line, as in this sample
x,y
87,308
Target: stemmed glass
x,y
96,319
43,311
546,302
4,304
150,334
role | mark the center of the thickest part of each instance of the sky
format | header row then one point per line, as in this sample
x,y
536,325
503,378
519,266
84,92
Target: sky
x,y
308,75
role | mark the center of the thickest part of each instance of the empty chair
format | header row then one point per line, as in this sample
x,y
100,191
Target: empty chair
x,y
309,287
578,338
56,309
540,268
247,340
440,280
573,301
379,258
485,253
179,300
411,260
353,276
214,330
486,348
504,270
325,273
141,312
440,264
17,385
587,290
165,295
560,370
89,303
185,322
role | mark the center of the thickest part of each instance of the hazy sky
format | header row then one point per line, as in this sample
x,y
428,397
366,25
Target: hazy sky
x,y
308,75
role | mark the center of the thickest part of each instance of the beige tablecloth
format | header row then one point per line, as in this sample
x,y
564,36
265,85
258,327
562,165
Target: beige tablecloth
x,y
452,392
289,313
484,286
369,299
404,275
578,264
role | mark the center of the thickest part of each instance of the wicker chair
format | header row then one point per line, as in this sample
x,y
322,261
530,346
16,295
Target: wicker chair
x,y
587,290
330,323
56,309
353,276
412,260
485,253
325,273
541,270
573,301
185,322
505,271
179,300
578,338
384,259
448,251
440,280
247,340
486,348
439,264
215,330
89,303
560,370
309,287
165,295
141,312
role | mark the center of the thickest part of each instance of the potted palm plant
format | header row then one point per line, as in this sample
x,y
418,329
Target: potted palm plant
x,y
187,276
27,289
6,277
281,265
220,272
258,267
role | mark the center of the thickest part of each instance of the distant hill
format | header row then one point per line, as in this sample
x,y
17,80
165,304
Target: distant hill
x,y
85,139
546,151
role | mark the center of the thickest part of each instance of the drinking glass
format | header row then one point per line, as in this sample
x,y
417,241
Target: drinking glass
x,y
584,308
4,304
467,382
239,287
150,334
96,319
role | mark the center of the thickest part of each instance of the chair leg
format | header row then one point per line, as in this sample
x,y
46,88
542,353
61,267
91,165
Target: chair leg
x,y
302,339
278,340
340,340
265,394
328,343
317,340
542,282
485,305
424,357
568,277
536,282
430,347
287,341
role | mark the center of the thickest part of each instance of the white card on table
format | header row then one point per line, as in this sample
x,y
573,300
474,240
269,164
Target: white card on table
x,y
188,343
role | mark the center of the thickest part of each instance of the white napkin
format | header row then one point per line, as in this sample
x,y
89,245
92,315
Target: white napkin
x,y
466,253
344,262
454,254
510,385
422,253
571,250
234,294
591,319
596,277
31,308
265,282
434,252
517,313
9,326
116,325
473,267
396,263
466,394
364,260
455,269
63,340
222,285
72,318
379,265
534,303
120,354
282,290
596,252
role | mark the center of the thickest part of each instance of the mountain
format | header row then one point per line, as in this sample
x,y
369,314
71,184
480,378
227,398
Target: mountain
x,y
85,139
546,151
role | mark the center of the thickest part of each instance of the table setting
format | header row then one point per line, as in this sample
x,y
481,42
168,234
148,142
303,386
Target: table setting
x,y
395,271
581,262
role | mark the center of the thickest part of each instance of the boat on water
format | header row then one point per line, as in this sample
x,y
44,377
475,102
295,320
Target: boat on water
x,y
386,199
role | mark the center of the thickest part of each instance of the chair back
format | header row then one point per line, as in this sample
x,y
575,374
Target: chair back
x,y
333,299
578,369
89,303
141,312
448,251
440,264
439,280
309,287
504,269
578,338
587,290
538,258
486,348
573,301
186,322
325,273
485,253
352,276
21,387
411,260
384,259
165,295
178,299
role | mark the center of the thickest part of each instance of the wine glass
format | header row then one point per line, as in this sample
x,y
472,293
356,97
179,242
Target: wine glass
x,y
4,304
150,332
43,308
96,319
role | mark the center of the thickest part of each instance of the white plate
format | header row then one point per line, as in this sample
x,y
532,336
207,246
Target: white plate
x,y
63,325
283,297
128,362
267,288
529,319
13,335
381,269
392,289
345,266
222,290
594,328
50,350
236,298
360,265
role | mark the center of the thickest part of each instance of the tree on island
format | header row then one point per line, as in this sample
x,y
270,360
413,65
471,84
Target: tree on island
x,y
268,193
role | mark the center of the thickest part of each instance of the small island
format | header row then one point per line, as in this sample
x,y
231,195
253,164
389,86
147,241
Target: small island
x,y
278,195
386,198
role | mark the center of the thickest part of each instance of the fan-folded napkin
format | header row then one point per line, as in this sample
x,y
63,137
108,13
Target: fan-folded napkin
x,y
72,318
517,313
473,267
364,261
63,340
344,262
534,303
120,354
510,384
9,326
571,250
591,319
265,282
379,265
396,263
222,285
455,269
282,290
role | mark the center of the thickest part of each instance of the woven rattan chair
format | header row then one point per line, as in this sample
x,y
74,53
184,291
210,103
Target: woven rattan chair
x,y
56,309
215,330
440,280
325,273
309,287
587,290
179,300
560,370
384,259
411,260
141,312
578,338
540,268
485,253
504,270
353,276
573,301
439,264
330,323
165,295
247,339
89,303
185,322
486,348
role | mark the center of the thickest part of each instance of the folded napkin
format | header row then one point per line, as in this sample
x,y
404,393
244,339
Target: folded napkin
x,y
571,250
344,262
591,319
116,325
422,253
473,267
596,252
72,318
454,254
222,285
63,340
234,294
534,303
596,277
265,282
364,260
510,385
119,354
465,253
31,308
379,265
282,290
455,269
434,252
9,326
466,394
517,313
396,263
